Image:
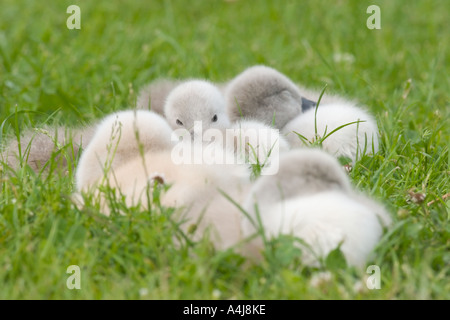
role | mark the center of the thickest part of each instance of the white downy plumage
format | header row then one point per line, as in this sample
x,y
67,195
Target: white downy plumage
x,y
120,137
130,150
196,101
256,144
352,140
311,198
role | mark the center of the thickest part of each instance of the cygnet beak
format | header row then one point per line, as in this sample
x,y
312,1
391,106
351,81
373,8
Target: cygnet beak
x,y
307,104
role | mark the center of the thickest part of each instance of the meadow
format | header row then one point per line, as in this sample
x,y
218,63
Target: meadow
x,y
50,74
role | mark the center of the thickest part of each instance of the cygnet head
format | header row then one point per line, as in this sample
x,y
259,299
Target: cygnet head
x,y
301,172
196,100
264,94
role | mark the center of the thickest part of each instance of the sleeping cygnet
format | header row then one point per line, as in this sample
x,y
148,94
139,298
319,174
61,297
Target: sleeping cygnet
x,y
118,138
262,93
196,191
38,146
251,141
352,140
311,198
153,96
143,153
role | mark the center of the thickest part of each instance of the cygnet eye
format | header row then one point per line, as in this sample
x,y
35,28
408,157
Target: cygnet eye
x,y
179,122
214,119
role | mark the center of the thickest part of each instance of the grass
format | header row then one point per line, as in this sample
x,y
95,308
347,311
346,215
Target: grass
x,y
49,73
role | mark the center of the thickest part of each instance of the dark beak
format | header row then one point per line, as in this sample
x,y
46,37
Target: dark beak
x,y
307,104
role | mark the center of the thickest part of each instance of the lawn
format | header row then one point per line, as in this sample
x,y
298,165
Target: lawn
x,y
50,74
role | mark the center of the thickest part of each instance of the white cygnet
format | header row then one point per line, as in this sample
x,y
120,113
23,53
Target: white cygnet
x,y
118,138
351,141
311,198
196,191
196,102
153,96
250,140
133,149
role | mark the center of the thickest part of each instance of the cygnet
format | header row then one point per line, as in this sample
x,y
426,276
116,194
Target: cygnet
x,y
38,146
352,140
311,198
196,102
120,137
262,93
153,96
